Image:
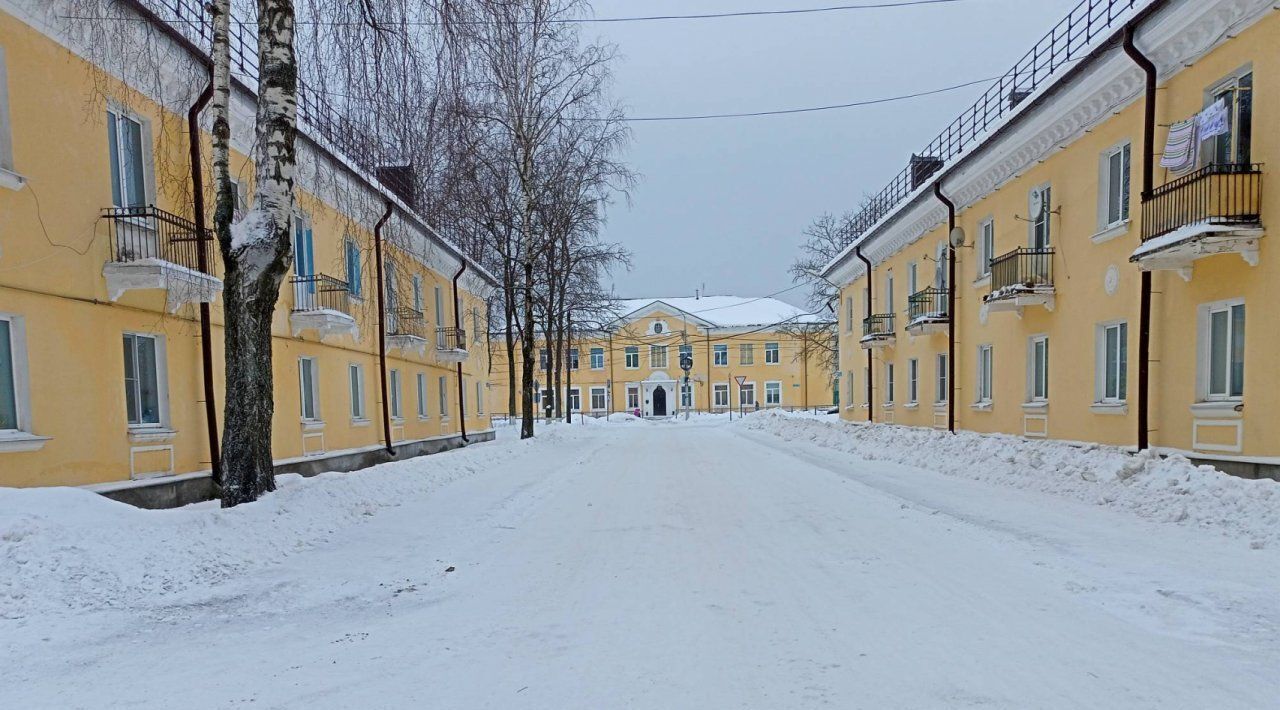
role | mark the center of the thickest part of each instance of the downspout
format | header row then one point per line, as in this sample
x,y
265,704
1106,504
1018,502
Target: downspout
x,y
202,264
1148,180
871,404
951,308
382,328
457,327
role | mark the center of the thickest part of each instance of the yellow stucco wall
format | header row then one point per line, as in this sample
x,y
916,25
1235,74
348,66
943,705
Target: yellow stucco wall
x,y
1081,263
53,246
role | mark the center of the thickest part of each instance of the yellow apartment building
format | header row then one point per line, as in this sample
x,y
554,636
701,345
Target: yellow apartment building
x,y
633,362
1109,246
102,281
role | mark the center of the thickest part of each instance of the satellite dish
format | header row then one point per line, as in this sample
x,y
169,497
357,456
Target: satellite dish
x,y
1038,205
957,237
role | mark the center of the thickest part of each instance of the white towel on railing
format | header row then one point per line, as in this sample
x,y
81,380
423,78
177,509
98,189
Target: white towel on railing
x,y
1180,147
1212,121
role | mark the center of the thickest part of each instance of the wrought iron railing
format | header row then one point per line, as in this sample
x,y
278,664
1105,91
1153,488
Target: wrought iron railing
x,y
880,324
139,233
1221,194
928,304
407,321
319,292
1022,268
1070,40
451,339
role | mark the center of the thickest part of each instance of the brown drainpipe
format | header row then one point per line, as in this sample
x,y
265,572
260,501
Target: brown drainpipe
x,y
1148,185
457,325
202,264
382,327
871,404
951,308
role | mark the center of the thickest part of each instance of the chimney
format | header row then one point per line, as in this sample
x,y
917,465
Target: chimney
x,y
401,181
922,167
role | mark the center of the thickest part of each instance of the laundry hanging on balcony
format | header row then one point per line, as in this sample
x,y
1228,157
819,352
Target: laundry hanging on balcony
x,y
1212,121
1180,147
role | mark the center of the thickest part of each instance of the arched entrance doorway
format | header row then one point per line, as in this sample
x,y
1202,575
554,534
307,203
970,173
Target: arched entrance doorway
x,y
660,401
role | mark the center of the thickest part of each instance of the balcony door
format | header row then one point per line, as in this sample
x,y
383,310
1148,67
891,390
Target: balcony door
x,y
304,290
1235,146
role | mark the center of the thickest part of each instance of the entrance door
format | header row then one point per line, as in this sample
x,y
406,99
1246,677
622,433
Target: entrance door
x,y
659,401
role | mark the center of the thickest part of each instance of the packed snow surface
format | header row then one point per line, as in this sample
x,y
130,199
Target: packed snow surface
x,y
776,562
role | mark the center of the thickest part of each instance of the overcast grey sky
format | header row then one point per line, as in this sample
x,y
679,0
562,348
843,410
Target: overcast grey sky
x,y
723,202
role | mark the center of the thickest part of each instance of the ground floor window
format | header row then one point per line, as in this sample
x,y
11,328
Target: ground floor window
x,y
599,399
747,394
309,388
1222,346
686,395
888,383
356,375
8,378
720,394
941,379
913,378
575,399
422,395
773,393
985,363
141,378
1113,362
442,392
1038,369
633,397
479,398
393,385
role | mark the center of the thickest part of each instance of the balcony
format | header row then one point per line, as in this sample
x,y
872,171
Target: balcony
x,y
322,304
153,249
1021,278
877,331
451,344
927,312
1214,210
407,330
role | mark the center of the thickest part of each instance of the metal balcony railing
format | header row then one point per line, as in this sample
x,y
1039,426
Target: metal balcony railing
x,y
139,233
319,292
879,325
1217,194
1022,269
407,322
928,304
451,339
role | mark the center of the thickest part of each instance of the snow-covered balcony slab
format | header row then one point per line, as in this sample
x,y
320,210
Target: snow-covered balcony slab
x,y
406,331
1021,278
927,312
877,331
321,304
451,345
1214,210
153,249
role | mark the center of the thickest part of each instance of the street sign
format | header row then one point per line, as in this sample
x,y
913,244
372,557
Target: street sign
x,y
686,362
742,380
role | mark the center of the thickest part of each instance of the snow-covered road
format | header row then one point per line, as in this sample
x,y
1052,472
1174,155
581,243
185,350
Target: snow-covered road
x,y
693,566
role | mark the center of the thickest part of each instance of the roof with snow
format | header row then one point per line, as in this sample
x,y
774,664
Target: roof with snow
x,y
720,311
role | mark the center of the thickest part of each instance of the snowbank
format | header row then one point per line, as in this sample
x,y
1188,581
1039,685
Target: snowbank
x,y
1167,490
66,549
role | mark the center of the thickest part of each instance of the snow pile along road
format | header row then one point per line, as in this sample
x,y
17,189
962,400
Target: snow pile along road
x,y
67,549
1163,489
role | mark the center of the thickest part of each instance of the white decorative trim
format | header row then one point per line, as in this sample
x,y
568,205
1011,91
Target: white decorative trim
x,y
1110,408
10,180
408,343
133,468
984,406
313,425
324,322
1234,424
145,435
1219,409
1116,230
180,284
13,442
1035,407
1042,419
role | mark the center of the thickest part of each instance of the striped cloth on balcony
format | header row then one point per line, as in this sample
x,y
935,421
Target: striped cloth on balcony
x,y
1180,147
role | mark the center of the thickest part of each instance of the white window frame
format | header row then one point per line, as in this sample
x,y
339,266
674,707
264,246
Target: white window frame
x,y
479,397
1205,345
119,114
746,353
1208,153
574,400
658,357
394,393
686,395
772,393
913,273
631,357
1038,368
355,377
986,246
743,390
603,394
355,277
888,291
21,375
442,385
592,355
941,271
633,397
1104,359
913,381
772,353
313,367
162,382
848,314
1107,180
6,130
574,357
419,300
424,411
985,381
720,355
888,384
1033,220
942,393
720,394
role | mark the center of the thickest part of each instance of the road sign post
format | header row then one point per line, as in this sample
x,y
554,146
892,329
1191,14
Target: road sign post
x,y
686,364
742,380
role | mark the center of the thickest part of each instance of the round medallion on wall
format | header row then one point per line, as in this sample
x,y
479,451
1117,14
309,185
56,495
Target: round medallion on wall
x,y
982,314
1111,282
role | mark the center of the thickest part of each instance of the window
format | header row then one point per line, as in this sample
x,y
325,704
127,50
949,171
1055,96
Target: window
x,y
544,361
141,379
913,377
985,363
597,358
575,399
442,393
439,307
888,291
866,391
986,246
1038,368
573,358
1222,341
6,137
941,268
720,394
393,384
240,195
773,393
943,392
746,354
772,354
1040,206
1115,186
479,398
912,273
657,356
125,140
633,397
632,355
353,267
422,396
356,375
309,388
1235,147
1113,362
888,383
721,355
686,395
599,399
303,264
418,302
848,314
9,375
747,394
